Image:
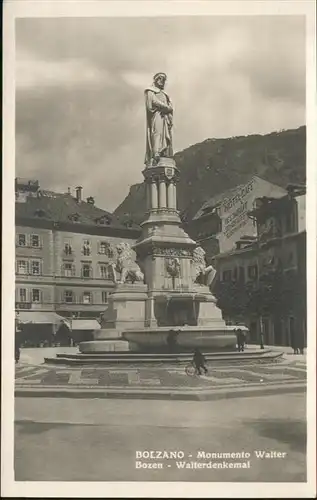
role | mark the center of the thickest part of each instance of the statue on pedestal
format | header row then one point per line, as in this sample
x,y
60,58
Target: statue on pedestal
x,y
202,274
126,266
159,121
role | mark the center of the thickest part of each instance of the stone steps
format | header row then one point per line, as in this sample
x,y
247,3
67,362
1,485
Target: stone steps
x,y
264,356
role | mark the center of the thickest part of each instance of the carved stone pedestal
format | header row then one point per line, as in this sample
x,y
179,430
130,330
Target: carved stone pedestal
x,y
126,308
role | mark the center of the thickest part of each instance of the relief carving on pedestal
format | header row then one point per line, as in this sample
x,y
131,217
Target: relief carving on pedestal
x,y
171,252
173,267
126,266
202,274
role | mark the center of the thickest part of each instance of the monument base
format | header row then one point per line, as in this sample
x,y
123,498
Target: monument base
x,y
181,339
139,320
95,346
126,309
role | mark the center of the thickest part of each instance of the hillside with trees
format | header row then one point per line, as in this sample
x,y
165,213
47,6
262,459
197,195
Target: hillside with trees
x,y
215,165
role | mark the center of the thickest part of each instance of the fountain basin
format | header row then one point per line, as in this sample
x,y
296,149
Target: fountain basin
x,y
211,338
182,339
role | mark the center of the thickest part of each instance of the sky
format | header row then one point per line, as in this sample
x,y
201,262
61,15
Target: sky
x,y
80,116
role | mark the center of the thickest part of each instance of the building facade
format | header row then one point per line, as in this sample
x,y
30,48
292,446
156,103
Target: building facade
x,y
223,219
64,250
262,283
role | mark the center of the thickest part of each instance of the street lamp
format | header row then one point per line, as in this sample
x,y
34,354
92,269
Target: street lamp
x,y
261,322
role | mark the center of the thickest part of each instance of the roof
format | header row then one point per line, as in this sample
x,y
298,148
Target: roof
x,y
256,246
218,199
64,208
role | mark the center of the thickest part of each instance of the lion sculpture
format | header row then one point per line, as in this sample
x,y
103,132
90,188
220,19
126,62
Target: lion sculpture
x,y
202,274
126,265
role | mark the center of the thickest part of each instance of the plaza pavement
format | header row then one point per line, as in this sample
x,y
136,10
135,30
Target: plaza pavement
x,y
97,439
34,379
69,427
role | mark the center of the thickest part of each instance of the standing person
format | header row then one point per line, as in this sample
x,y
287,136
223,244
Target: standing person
x,y
17,350
199,361
301,344
17,339
295,345
172,340
240,340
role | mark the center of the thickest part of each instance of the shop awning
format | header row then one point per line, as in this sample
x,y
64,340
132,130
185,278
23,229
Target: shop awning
x,y
84,324
39,317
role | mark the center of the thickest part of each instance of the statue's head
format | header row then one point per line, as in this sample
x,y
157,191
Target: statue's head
x,y
159,80
124,250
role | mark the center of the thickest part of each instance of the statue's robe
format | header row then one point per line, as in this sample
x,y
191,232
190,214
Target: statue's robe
x,y
159,122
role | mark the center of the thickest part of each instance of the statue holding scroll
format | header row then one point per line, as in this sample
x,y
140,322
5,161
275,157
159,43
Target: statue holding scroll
x,y
159,121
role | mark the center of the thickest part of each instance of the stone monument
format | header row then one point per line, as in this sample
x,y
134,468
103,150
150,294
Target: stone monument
x,y
162,283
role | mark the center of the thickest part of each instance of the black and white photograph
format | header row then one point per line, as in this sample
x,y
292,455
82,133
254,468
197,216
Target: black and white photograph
x,y
161,232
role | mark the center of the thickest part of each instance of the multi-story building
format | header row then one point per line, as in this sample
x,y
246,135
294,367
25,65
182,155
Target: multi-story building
x,y
262,282
223,219
64,248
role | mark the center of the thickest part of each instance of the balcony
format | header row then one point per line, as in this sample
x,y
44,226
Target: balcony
x,y
78,306
68,254
80,281
23,305
35,306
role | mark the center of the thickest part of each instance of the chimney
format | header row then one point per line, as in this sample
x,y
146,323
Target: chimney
x,y
79,192
91,200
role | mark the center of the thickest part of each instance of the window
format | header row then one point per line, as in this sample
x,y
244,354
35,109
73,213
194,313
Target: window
x,y
252,272
104,297
86,271
36,295
22,295
35,240
35,267
21,240
69,269
86,298
22,267
68,248
40,213
241,274
226,275
86,247
69,296
106,272
104,220
74,217
105,248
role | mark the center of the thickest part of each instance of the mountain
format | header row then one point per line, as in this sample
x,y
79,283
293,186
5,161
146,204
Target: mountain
x,y
215,165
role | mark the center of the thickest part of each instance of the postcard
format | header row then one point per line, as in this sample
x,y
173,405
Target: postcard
x,y
159,249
